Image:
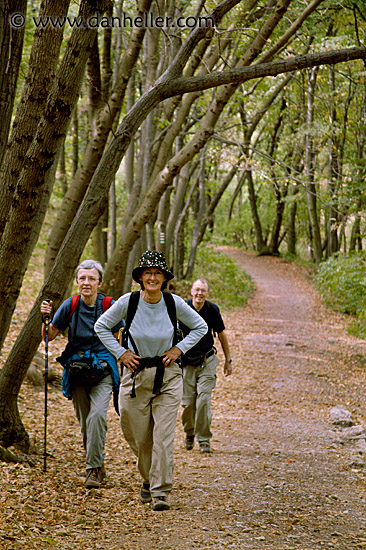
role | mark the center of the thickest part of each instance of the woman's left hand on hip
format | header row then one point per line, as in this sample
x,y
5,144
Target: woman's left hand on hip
x,y
170,356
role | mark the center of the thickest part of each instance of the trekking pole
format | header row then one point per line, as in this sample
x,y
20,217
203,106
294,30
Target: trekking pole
x,y
47,322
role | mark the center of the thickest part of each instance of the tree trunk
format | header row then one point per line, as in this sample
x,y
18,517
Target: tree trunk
x,y
12,431
62,174
236,194
179,253
179,232
207,220
249,130
181,116
9,417
182,180
311,190
356,239
161,225
277,224
94,84
96,145
11,46
132,262
291,226
75,141
112,232
280,191
100,238
259,240
333,166
198,217
40,79
31,187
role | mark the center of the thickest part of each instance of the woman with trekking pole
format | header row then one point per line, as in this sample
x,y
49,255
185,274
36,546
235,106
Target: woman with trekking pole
x,y
90,372
151,384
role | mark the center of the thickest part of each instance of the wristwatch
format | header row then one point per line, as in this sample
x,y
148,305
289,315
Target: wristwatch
x,y
229,360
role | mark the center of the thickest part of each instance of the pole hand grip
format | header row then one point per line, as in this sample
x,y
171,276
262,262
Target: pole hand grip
x,y
46,316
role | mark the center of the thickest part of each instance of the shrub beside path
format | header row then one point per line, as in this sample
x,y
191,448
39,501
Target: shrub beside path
x,y
283,475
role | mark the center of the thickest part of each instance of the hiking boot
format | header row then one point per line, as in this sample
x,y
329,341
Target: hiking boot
x,y
189,442
145,495
205,448
160,504
94,477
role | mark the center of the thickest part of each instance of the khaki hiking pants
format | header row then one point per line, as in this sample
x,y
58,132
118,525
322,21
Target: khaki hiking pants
x,y
198,383
91,408
148,422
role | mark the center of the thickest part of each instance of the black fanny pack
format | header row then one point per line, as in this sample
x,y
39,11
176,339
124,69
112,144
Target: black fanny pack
x,y
196,359
83,373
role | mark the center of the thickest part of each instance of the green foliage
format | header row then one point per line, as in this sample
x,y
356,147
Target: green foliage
x,y
357,327
341,281
230,286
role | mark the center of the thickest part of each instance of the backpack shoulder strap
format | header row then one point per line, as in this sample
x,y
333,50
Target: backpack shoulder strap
x,y
170,305
131,310
172,312
211,311
132,307
107,302
74,304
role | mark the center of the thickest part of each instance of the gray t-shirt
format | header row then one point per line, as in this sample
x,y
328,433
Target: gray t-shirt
x,y
151,328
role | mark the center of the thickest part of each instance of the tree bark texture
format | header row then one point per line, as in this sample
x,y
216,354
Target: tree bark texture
x,y
182,181
198,216
11,46
104,120
208,217
311,189
31,189
39,81
291,226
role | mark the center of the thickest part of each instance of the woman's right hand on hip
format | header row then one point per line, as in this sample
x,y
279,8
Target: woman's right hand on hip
x,y
129,360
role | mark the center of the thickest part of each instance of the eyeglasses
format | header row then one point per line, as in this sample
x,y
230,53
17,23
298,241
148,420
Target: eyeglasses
x,y
201,290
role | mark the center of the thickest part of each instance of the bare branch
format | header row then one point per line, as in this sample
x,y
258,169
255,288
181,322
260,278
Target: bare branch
x,y
236,76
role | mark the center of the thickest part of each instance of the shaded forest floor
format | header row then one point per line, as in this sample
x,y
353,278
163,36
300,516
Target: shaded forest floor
x,y
282,475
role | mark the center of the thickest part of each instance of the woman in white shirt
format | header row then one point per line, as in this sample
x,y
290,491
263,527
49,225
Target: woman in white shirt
x,y
149,397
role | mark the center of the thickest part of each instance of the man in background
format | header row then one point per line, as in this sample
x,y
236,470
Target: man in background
x,y
199,370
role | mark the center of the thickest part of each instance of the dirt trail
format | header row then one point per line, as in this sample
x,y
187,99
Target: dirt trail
x,y
276,479
297,362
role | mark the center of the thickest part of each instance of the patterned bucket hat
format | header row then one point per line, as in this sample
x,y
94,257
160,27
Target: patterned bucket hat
x,y
152,258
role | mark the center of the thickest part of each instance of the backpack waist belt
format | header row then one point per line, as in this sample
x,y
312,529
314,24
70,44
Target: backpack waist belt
x,y
211,352
148,363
